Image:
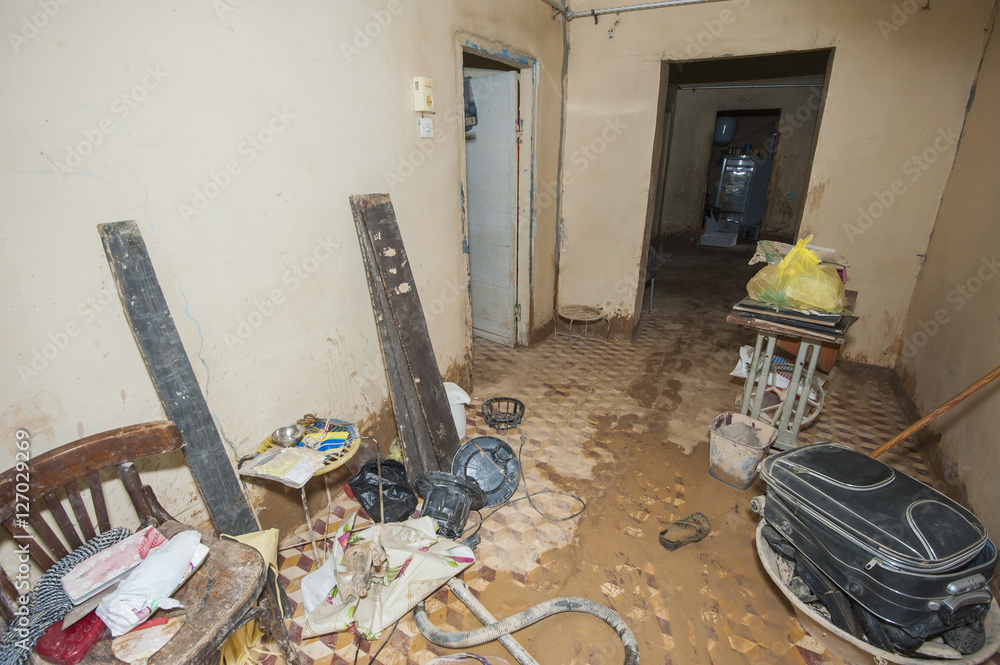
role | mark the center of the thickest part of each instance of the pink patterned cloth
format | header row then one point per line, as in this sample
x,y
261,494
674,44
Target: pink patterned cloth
x,y
106,567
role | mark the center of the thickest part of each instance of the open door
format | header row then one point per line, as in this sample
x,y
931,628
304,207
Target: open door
x,y
491,150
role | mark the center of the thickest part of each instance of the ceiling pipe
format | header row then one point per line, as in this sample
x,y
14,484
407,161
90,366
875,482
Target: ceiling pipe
x,y
570,15
758,85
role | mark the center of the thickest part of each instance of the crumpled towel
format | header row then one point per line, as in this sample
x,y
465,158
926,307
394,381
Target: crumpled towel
x,y
237,649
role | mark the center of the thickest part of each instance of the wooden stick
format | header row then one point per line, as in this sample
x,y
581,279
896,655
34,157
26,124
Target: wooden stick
x,y
933,415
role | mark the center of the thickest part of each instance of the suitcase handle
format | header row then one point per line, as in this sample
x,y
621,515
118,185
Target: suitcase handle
x,y
958,587
955,603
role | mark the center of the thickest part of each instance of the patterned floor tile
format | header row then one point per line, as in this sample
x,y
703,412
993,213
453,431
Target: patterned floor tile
x,y
623,426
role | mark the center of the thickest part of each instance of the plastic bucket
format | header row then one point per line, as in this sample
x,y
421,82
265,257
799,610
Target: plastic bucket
x,y
457,398
735,462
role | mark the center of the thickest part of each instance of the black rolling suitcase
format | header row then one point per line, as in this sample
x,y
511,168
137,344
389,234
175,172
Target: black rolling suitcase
x,y
912,562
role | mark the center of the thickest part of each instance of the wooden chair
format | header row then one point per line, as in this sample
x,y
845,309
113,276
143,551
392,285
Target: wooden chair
x,y
226,592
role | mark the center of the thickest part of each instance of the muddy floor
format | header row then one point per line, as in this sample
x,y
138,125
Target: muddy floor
x,y
624,427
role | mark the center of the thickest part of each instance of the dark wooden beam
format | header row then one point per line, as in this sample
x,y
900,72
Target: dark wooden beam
x,y
406,341
170,369
418,450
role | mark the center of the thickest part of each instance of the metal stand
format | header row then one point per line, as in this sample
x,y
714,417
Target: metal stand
x,y
788,420
585,315
317,555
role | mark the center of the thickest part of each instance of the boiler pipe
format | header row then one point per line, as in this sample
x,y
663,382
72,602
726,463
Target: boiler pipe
x,y
632,8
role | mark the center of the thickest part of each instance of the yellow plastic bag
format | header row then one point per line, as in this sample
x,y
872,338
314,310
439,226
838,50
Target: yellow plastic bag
x,y
799,281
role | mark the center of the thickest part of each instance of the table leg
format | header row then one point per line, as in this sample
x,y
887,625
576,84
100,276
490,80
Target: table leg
x,y
748,384
793,410
317,556
756,382
329,514
586,326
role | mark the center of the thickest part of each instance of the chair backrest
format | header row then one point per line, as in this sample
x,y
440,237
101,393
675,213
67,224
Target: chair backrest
x,y
59,473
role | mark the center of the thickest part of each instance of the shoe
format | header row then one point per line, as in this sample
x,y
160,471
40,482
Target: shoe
x,y
680,532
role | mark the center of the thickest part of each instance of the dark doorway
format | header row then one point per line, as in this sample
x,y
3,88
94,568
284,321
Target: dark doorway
x,y
775,105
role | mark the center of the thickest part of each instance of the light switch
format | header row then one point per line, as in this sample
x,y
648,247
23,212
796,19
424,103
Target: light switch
x,y
426,126
423,94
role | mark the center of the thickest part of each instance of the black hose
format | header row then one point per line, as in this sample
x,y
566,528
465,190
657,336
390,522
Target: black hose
x,y
472,638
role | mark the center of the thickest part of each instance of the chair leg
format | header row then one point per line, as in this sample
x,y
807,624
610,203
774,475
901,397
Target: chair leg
x,y
652,283
274,625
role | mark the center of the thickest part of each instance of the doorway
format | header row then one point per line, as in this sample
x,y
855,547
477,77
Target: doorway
x,y
773,105
498,194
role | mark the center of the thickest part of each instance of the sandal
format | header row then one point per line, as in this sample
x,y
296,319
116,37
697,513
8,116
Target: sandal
x,y
680,532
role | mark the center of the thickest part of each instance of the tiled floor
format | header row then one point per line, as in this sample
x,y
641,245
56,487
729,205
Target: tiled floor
x,y
624,426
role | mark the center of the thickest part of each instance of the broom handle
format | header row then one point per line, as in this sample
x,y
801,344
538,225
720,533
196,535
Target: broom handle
x,y
933,415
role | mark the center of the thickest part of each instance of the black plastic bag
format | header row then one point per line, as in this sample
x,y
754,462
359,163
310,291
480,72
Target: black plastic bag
x,y
399,498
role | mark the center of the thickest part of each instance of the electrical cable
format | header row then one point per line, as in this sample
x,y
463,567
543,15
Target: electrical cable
x,y
393,632
503,628
371,659
528,495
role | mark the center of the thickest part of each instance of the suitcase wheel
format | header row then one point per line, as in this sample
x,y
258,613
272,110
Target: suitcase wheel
x,y
966,639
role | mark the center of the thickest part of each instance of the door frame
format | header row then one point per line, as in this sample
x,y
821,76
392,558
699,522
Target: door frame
x,y
658,166
526,173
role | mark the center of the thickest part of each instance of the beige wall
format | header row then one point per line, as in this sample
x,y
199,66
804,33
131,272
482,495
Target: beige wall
x,y
952,334
891,92
261,268
693,129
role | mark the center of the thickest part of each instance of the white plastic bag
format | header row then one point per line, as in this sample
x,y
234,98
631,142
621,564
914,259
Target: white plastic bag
x,y
149,586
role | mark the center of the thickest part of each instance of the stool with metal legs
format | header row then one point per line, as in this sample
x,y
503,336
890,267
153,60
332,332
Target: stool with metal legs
x,y
788,418
334,460
583,314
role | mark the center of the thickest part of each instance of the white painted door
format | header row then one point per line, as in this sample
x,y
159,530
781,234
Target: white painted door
x,y
491,170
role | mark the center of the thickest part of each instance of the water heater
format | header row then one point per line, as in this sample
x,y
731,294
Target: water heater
x,y
725,129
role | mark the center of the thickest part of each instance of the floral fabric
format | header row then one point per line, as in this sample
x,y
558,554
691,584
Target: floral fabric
x,y
418,562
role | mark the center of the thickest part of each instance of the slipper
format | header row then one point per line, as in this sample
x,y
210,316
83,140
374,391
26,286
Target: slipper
x,y
680,532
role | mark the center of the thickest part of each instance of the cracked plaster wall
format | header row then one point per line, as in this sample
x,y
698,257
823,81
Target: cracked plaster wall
x,y
233,133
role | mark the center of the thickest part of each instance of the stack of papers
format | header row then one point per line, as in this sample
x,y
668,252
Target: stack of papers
x,y
805,323
289,466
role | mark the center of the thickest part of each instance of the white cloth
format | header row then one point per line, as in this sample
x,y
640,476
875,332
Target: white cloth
x,y
149,586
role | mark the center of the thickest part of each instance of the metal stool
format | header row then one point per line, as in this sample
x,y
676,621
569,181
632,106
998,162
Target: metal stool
x,y
585,315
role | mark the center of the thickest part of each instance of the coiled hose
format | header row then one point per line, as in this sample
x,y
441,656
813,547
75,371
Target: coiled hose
x,y
472,638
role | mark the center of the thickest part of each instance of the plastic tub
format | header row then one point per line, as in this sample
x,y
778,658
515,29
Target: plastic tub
x,y
850,649
735,462
457,398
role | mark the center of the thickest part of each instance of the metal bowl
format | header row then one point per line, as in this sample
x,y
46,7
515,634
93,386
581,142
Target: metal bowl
x,y
288,436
